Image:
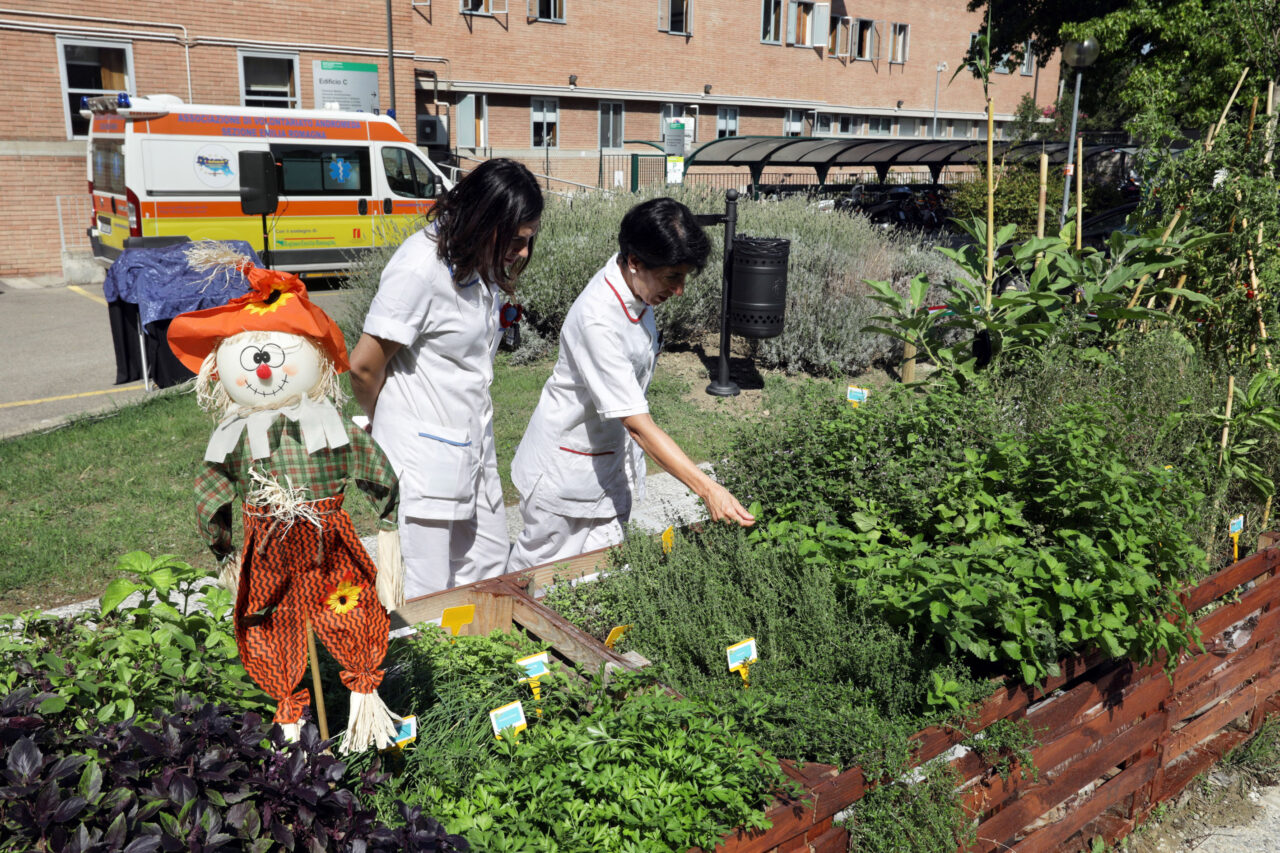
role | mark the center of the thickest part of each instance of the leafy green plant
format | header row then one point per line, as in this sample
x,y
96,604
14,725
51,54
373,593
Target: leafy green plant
x,y
614,764
1054,286
639,771
834,684
133,660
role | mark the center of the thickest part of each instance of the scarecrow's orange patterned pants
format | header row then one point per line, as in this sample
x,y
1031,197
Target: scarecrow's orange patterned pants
x,y
303,572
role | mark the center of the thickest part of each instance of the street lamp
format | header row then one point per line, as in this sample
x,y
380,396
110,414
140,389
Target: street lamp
x,y
1079,55
937,80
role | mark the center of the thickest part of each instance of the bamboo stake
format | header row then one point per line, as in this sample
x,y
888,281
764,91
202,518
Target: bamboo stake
x,y
991,204
1173,301
1266,515
1231,393
321,717
1271,121
1253,113
1257,299
1164,238
1208,143
908,363
1079,192
1044,190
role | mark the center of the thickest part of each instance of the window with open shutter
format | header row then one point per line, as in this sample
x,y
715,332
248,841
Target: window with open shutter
x,y
675,16
864,39
899,40
839,37
545,10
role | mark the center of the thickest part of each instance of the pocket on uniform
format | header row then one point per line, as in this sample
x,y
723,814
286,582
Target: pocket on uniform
x,y
443,466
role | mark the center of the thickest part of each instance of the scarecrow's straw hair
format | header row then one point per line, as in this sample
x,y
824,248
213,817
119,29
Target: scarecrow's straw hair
x,y
213,397
215,258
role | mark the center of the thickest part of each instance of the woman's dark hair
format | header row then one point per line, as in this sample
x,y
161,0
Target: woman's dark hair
x,y
662,232
477,220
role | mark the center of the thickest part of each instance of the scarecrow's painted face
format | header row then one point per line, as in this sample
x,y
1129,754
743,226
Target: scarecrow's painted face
x,y
266,369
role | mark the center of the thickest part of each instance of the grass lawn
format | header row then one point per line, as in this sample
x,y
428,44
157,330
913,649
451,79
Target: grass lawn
x,y
75,499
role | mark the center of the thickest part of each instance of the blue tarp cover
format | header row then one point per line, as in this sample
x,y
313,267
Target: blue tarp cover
x,y
161,284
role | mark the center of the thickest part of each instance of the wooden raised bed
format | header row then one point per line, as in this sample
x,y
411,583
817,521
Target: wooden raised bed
x,y
1115,739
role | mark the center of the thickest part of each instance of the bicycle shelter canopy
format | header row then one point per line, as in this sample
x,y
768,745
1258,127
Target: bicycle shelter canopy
x,y
822,154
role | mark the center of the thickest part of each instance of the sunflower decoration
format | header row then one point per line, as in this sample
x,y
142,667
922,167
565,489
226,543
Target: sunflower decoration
x,y
344,597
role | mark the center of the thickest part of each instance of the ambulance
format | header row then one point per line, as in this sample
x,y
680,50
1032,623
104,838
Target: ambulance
x,y
347,181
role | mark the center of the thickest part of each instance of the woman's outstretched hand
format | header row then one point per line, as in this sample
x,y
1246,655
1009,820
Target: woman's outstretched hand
x,y
723,506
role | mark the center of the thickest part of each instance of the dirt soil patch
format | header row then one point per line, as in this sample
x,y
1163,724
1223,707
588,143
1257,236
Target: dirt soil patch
x,y
1226,812
695,364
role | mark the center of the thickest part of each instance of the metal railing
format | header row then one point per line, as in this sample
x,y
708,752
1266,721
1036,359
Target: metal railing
x,y
74,212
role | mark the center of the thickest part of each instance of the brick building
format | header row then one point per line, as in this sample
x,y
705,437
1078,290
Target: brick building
x,y
560,84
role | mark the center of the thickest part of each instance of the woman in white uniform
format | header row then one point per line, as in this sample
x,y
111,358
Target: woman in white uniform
x,y
581,464
423,367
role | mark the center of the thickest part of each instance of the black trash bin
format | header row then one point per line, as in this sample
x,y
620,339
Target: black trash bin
x,y
758,294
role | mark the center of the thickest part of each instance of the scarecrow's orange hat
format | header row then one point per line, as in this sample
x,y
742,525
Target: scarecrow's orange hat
x,y
277,303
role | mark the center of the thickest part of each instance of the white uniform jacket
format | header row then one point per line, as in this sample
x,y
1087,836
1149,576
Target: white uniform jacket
x,y
576,451
434,416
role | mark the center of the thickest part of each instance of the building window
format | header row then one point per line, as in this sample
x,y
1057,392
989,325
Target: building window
x,y
793,123
676,112
908,127
822,124
848,125
1028,61
771,22
879,125
546,10
483,7
545,117
898,44
611,124
866,44
90,69
959,128
839,36
726,122
676,16
807,23
470,122
269,80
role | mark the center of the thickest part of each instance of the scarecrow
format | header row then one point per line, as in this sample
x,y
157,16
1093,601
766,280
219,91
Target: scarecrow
x,y
268,363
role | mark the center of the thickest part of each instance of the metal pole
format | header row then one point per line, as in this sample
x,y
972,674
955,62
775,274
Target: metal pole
x,y
391,61
721,386
937,80
1071,156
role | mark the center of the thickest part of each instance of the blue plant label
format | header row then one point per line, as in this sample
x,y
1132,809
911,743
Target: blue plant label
x,y
406,731
742,653
509,716
1237,525
535,666
858,395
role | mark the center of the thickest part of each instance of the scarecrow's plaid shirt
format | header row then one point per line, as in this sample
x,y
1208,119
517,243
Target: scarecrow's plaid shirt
x,y
323,474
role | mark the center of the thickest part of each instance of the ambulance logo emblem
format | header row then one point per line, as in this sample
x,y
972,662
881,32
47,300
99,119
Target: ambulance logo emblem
x,y
214,166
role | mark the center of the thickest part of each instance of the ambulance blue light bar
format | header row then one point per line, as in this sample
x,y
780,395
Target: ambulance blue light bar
x,y
122,99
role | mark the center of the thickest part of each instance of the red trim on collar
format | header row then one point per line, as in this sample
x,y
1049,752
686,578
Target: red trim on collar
x,y
625,309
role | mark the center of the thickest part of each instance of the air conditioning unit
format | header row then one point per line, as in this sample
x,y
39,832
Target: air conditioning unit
x,y
433,131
